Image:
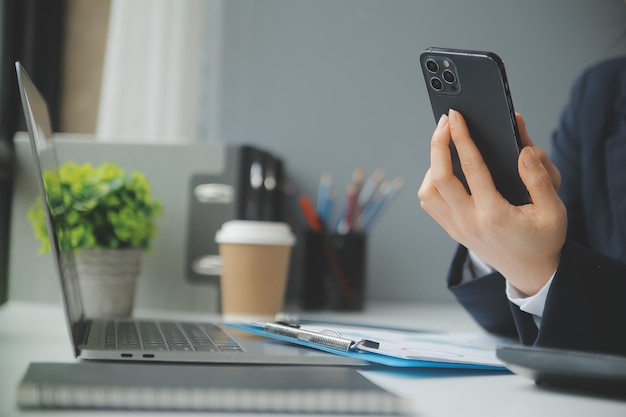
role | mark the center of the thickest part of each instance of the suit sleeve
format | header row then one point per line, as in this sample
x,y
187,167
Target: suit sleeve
x,y
484,298
585,308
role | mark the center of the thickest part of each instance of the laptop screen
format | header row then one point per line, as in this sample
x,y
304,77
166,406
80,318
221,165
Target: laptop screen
x,y
44,154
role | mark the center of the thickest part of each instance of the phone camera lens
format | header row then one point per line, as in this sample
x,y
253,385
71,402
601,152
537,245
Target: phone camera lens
x,y
432,66
449,76
436,83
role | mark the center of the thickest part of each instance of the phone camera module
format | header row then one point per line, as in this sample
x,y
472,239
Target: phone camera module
x,y
436,84
449,76
432,66
441,75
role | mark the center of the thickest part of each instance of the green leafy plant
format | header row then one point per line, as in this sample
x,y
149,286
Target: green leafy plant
x,y
96,207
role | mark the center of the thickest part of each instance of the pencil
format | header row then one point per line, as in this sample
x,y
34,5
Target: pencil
x,y
348,220
368,195
385,199
324,200
370,187
309,213
358,176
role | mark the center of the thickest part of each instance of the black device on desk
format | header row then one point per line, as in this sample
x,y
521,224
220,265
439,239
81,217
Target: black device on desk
x,y
567,368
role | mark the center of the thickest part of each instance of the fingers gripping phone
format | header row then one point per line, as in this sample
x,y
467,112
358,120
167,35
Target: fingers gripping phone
x,y
474,83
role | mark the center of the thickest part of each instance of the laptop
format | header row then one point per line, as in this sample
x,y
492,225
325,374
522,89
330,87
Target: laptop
x,y
133,339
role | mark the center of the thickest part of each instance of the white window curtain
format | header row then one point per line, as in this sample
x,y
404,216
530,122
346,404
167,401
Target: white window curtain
x,y
161,64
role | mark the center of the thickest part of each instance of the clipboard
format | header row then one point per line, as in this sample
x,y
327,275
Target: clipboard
x,y
389,347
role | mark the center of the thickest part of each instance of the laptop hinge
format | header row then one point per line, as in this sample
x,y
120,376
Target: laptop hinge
x,y
81,332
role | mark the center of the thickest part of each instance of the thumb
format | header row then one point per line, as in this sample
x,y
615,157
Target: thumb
x,y
536,178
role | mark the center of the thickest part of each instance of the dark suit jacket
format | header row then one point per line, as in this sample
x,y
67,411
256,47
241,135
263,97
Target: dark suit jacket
x,y
586,305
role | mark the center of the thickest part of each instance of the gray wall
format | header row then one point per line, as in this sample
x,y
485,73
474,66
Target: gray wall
x,y
332,84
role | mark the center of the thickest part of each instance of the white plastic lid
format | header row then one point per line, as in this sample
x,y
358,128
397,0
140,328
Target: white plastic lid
x,y
255,233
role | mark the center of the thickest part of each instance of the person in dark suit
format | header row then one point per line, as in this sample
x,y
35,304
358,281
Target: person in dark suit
x,y
552,272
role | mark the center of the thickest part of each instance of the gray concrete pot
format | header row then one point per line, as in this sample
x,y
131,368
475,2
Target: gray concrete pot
x,y
107,279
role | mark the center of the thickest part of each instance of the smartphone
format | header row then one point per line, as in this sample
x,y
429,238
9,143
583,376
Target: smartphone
x,y
475,84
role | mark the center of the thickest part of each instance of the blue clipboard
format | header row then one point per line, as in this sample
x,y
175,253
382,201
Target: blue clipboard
x,y
354,350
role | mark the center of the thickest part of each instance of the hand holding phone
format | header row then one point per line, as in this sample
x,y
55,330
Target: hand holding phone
x,y
474,83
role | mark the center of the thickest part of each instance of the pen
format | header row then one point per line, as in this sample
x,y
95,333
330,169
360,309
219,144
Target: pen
x,y
320,338
335,342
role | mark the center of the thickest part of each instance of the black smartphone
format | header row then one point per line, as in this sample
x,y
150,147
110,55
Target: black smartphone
x,y
474,83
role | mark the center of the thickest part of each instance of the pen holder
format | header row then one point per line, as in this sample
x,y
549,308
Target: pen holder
x,y
334,271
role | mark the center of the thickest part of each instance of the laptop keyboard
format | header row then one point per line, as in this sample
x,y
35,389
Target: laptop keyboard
x,y
174,336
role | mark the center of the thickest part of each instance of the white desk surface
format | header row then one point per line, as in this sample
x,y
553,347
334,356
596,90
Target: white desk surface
x,y
24,327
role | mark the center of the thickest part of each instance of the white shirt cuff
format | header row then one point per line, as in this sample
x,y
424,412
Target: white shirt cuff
x,y
474,267
530,304
480,267
533,305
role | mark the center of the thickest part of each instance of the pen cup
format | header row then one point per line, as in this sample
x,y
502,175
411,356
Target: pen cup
x,y
334,271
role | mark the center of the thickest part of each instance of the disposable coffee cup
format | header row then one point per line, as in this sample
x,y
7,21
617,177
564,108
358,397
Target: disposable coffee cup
x,y
255,261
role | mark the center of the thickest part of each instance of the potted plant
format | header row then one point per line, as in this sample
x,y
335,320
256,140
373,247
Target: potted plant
x,y
106,218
